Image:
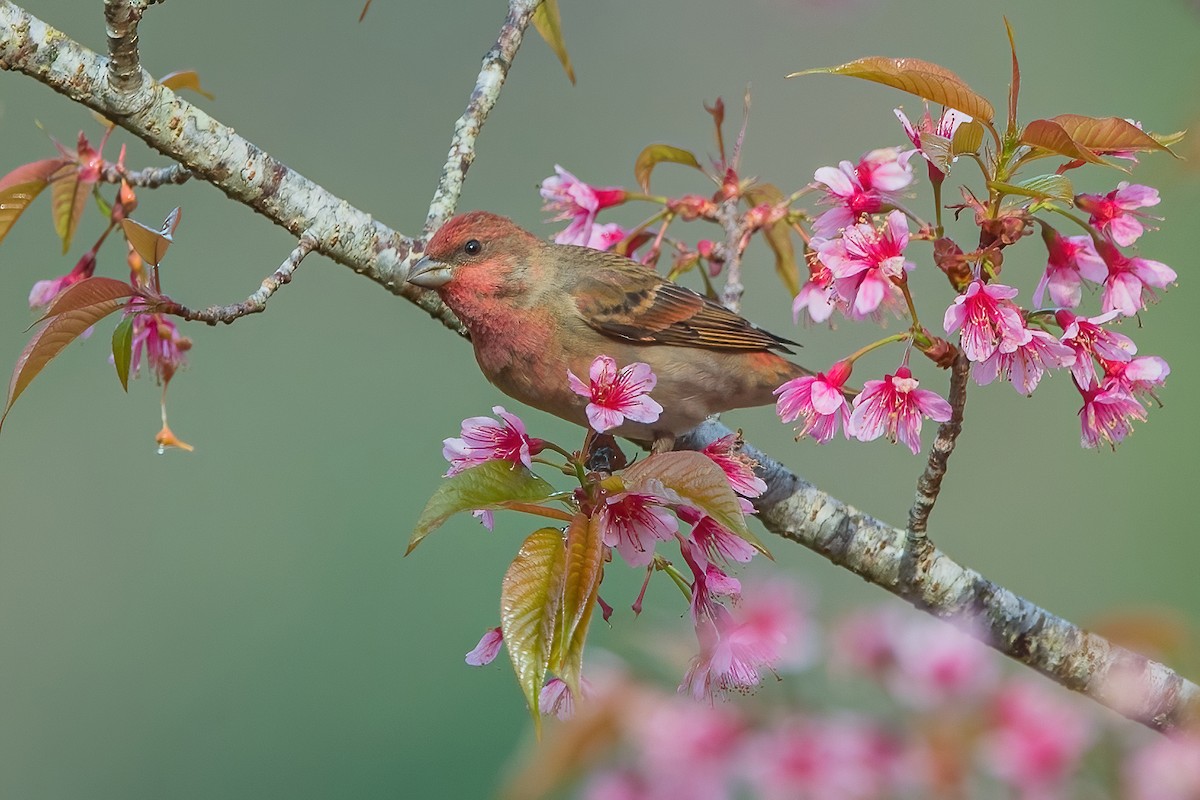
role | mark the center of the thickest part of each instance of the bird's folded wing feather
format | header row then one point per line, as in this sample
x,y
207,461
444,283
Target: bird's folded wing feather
x,y
626,300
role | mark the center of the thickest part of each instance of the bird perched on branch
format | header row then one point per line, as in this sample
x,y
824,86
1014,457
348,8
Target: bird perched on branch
x,y
536,310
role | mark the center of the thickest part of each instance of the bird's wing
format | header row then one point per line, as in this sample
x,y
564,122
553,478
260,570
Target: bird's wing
x,y
626,300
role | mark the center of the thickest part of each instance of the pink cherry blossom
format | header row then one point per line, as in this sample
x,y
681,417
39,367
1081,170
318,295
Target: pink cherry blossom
x,y
633,521
1071,258
572,199
1116,213
1107,415
767,629
556,699
819,399
616,396
937,665
687,750
863,642
866,261
989,322
738,467
1139,375
1037,740
1166,768
157,337
604,237
844,756
1025,365
716,542
45,291
863,188
947,123
489,646
1131,281
484,439
1088,337
816,296
895,406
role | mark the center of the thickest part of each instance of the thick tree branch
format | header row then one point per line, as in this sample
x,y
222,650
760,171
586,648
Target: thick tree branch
x,y
1133,685
1140,689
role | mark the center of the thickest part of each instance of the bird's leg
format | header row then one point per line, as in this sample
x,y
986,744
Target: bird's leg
x,y
663,443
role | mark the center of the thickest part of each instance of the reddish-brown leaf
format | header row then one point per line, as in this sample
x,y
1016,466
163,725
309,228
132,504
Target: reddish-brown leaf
x,y
19,188
89,292
68,197
1107,134
912,75
187,79
1049,135
55,334
148,243
583,572
1014,86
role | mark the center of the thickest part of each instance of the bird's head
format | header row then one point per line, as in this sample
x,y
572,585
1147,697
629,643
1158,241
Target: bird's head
x,y
476,252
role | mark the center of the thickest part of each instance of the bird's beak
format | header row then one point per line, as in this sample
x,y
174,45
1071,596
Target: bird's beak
x,y
429,274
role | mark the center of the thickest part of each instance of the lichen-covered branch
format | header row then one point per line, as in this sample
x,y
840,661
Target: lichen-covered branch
x,y
256,302
148,178
1133,685
492,74
213,152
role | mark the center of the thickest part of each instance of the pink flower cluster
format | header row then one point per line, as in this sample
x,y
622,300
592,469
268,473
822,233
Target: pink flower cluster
x,y
571,199
961,729
894,407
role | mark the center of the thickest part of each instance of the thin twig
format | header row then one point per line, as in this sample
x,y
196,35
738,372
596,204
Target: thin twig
x,y
1142,690
930,482
256,302
148,178
496,63
121,19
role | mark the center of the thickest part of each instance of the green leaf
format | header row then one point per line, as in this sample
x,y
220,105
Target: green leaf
x,y
68,198
701,483
1051,136
1041,187
912,75
1107,134
656,154
493,484
968,138
122,350
549,24
530,596
19,188
779,237
63,326
583,573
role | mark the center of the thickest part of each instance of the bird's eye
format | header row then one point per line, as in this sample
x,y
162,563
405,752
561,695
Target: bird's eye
x,y
473,247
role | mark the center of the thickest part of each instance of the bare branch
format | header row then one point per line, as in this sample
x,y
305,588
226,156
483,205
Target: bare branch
x,y
496,63
148,178
256,302
930,482
212,151
121,19
1142,690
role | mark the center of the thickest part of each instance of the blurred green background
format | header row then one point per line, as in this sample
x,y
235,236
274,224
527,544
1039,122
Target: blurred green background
x,y
238,622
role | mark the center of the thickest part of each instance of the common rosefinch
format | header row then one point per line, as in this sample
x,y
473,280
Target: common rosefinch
x,y
536,310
